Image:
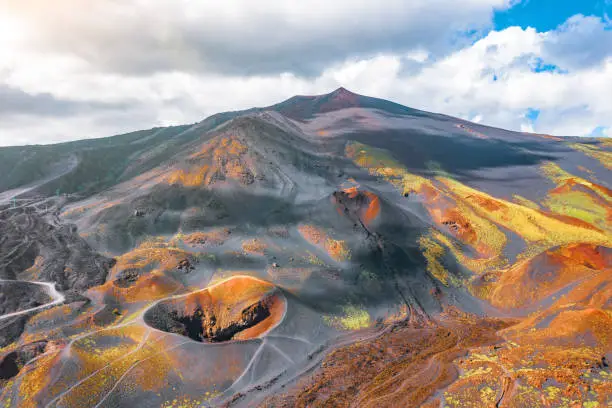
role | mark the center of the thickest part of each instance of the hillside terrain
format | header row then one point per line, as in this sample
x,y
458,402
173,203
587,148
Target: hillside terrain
x,y
327,251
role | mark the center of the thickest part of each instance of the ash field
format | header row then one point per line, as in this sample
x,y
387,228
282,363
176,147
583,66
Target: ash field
x,y
327,251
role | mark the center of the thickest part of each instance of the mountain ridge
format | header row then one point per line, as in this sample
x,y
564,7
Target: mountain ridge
x,y
329,251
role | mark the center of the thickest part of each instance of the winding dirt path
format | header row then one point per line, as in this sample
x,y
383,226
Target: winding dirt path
x,y
58,298
139,320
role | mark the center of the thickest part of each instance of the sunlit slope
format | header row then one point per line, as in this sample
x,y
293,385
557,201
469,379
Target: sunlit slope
x,y
561,276
331,250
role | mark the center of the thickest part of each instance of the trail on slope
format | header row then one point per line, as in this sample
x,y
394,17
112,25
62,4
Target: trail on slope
x,y
70,165
58,298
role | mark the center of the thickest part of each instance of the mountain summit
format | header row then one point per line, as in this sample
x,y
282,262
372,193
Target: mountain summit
x,y
330,250
306,107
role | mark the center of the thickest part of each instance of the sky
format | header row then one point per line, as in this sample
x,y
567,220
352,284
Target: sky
x,y
74,69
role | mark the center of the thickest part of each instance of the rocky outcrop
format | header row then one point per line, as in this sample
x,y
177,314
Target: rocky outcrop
x,y
33,249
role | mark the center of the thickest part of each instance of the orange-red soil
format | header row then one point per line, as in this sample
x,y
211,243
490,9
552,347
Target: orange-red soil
x,y
404,366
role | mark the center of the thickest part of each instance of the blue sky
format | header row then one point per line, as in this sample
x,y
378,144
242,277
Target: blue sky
x,y
539,66
545,15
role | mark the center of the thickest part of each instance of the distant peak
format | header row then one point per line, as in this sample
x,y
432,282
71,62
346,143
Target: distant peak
x,y
342,91
303,107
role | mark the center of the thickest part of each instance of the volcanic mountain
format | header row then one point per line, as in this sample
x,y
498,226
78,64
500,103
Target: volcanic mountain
x,y
332,250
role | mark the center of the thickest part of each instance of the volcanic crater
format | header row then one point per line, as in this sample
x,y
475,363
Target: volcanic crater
x,y
239,308
400,236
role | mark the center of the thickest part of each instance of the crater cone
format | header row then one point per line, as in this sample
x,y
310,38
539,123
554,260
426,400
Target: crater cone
x,y
239,308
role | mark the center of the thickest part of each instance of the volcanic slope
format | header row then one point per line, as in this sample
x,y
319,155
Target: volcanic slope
x,y
332,250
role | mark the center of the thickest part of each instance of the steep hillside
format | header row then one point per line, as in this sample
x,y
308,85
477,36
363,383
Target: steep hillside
x,y
332,250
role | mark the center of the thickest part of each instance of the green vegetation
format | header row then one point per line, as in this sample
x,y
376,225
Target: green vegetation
x,y
353,318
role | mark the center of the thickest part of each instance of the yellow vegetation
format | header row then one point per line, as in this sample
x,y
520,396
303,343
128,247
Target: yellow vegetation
x,y
379,163
433,253
578,198
603,156
535,227
444,206
223,156
525,202
353,318
35,379
254,246
338,250
213,237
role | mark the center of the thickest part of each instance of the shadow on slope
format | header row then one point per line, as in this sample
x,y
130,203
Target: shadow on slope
x,y
457,155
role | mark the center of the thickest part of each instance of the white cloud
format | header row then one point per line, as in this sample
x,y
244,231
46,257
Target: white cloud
x,y
527,127
491,81
579,42
243,36
463,84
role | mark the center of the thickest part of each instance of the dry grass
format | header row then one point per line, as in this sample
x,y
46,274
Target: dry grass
x,y
224,157
210,238
338,250
254,246
403,367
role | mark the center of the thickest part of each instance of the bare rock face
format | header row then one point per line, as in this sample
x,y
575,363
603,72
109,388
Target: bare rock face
x,y
12,329
127,278
33,249
16,296
185,265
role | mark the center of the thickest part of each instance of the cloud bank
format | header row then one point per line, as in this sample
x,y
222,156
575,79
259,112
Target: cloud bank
x,y
71,69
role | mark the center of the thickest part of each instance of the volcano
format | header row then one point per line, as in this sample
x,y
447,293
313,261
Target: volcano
x,y
332,250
